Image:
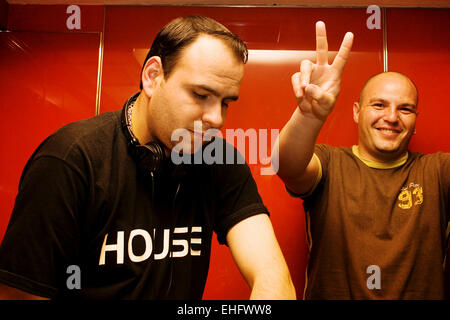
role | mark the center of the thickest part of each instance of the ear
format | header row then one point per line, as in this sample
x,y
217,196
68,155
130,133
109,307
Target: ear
x,y
356,109
152,74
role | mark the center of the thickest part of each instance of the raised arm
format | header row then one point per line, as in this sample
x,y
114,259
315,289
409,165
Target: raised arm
x,y
316,88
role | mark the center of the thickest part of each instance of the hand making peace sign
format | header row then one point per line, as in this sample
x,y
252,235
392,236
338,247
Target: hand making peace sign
x,y
317,85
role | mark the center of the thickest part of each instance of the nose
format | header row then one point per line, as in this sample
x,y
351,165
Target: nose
x,y
391,114
213,114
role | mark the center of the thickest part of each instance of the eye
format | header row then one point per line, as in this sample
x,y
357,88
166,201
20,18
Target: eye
x,y
407,110
199,96
378,105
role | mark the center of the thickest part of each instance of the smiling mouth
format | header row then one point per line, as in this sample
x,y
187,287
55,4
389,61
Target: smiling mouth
x,y
389,130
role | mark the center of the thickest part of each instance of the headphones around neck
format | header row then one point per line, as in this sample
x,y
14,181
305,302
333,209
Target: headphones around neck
x,y
149,157
151,160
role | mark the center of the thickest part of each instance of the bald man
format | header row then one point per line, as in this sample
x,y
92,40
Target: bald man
x,y
377,214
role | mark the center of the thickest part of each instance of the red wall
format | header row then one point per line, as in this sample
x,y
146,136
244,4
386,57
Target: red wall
x,y
48,77
422,51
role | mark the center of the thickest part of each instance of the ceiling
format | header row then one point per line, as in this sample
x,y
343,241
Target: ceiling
x,y
296,3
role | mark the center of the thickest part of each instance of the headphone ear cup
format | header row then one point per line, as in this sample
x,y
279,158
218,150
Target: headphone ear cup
x,y
149,157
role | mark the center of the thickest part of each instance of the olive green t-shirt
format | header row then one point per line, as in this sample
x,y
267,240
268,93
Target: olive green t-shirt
x,y
378,231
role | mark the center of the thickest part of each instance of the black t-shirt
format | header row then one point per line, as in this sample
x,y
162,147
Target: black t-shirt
x,y
84,215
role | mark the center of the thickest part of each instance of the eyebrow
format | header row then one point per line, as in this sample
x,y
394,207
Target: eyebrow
x,y
214,92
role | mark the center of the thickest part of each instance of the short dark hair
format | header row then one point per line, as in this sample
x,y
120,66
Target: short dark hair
x,y
182,31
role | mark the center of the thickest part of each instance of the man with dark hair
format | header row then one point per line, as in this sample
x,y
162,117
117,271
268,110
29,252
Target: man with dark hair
x,y
181,32
100,198
377,214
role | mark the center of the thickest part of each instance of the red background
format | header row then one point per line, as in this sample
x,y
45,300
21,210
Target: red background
x,y
48,77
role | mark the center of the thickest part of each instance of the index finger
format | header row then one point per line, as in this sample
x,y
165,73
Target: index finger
x,y
344,52
321,43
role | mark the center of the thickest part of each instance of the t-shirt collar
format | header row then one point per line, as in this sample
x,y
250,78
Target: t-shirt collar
x,y
380,165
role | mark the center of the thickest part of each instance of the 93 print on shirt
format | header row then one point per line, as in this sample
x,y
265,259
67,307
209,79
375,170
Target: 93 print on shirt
x,y
223,310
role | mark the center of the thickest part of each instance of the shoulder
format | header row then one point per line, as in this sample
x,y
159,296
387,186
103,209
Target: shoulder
x,y
78,145
434,168
80,135
327,153
324,148
437,157
84,130
438,160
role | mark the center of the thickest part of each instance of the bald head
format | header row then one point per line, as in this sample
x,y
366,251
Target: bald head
x,y
386,116
377,80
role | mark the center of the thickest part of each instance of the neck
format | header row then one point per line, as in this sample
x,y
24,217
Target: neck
x,y
139,119
380,157
140,122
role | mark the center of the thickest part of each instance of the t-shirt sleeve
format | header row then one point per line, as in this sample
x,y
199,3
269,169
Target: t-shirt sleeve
x,y
322,154
42,238
237,195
